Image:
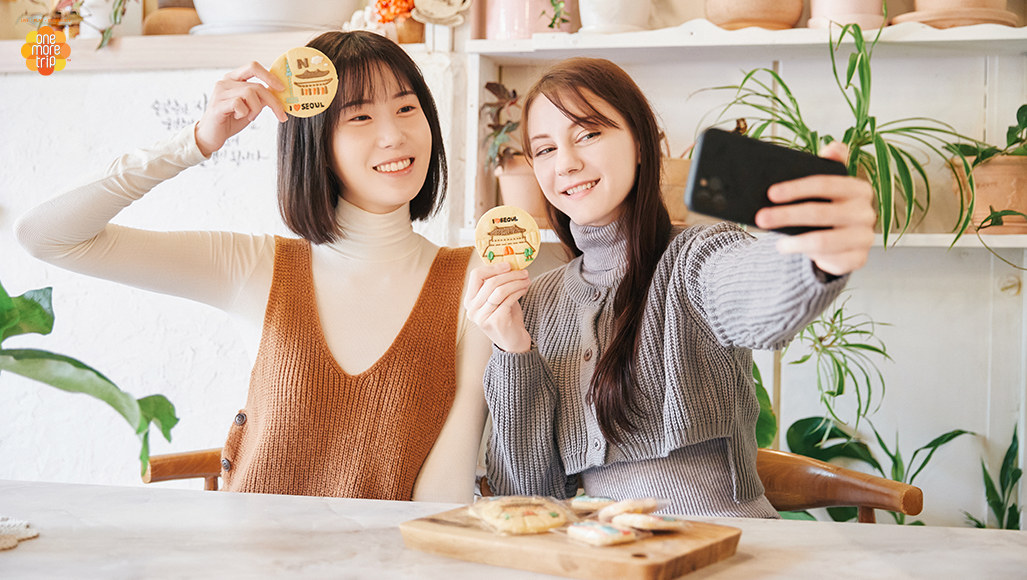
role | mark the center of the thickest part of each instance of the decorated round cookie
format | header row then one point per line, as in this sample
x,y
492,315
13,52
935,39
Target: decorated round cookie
x,y
637,506
310,81
515,514
507,234
588,504
649,522
599,534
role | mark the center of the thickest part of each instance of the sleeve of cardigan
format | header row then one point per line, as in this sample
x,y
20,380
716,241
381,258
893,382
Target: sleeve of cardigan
x,y
73,231
522,458
749,294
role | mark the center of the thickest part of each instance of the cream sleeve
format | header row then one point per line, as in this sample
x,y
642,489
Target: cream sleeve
x,y
73,231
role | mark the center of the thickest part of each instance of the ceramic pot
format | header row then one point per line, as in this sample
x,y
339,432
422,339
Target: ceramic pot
x,y
512,19
675,180
518,187
240,16
938,5
610,16
868,14
770,14
1001,183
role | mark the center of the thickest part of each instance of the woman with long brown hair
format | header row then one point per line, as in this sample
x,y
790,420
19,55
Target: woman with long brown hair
x,y
628,372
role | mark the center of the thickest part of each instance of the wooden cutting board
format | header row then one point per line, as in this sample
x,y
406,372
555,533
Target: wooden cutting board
x,y
458,534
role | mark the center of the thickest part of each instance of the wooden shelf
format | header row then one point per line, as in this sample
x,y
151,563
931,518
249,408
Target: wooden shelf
x,y
171,52
702,38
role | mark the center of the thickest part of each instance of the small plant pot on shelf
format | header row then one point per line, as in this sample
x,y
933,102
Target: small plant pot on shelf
x,y
1001,183
769,14
675,179
518,187
868,14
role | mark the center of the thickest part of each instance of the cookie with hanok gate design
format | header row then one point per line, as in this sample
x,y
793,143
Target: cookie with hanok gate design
x,y
509,234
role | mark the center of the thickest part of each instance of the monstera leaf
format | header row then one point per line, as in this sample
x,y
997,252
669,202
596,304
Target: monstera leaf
x,y
32,313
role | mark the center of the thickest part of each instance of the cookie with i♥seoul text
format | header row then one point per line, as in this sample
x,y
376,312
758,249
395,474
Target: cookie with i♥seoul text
x,y
310,81
507,234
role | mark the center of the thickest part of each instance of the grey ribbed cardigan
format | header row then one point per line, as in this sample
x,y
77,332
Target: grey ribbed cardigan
x,y
717,293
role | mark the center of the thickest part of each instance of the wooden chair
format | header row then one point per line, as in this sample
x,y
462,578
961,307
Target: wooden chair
x,y
188,465
796,482
793,482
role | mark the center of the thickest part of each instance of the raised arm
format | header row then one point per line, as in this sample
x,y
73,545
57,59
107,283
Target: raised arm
x,y
74,231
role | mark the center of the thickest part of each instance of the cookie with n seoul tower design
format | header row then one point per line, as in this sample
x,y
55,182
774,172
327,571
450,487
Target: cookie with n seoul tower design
x,y
507,234
310,81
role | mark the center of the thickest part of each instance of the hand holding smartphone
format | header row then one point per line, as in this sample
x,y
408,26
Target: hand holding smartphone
x,y
731,173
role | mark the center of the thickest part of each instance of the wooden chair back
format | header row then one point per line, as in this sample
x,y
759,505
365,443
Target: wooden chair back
x,y
793,482
796,482
187,465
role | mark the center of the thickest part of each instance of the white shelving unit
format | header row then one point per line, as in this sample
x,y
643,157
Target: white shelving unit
x,y
697,40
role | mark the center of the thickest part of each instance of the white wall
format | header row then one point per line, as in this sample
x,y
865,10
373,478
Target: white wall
x,y
56,130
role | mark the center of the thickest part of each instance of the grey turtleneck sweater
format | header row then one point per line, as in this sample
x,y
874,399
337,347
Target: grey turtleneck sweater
x,y
716,294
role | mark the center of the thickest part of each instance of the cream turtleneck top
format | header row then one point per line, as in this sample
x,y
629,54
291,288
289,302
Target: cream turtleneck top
x,y
369,279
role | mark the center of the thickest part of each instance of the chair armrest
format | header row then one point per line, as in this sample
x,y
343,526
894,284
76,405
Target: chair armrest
x,y
796,482
188,465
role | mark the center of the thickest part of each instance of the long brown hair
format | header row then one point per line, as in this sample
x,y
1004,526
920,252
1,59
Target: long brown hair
x,y
308,189
571,85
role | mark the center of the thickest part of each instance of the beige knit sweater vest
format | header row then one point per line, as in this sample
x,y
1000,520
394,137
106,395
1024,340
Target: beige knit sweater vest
x,y
309,428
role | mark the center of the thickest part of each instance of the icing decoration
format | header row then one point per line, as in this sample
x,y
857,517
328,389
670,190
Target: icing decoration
x,y
310,81
507,233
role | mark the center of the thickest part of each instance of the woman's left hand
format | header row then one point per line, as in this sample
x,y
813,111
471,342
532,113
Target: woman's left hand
x,y
848,213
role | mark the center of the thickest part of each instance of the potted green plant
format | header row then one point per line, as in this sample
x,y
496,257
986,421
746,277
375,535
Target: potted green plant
x,y
999,176
885,152
1001,498
32,312
505,156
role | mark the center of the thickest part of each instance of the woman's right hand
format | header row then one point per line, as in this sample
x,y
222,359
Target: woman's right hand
x,y
492,303
235,103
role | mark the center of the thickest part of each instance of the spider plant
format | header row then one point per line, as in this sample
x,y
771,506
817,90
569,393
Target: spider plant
x,y
844,347
886,152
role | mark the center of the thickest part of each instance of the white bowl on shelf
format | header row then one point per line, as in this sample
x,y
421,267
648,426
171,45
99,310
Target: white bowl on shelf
x,y
240,16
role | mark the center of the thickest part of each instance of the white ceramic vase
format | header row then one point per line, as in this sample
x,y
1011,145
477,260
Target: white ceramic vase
x,y
240,16
608,16
868,14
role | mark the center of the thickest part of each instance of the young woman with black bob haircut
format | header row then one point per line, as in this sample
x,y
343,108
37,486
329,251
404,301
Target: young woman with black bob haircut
x,y
367,377
628,372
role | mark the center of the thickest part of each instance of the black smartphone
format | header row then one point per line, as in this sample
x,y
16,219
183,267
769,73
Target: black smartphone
x,y
731,173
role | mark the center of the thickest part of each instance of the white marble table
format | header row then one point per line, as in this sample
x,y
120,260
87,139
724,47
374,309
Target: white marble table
x,y
89,531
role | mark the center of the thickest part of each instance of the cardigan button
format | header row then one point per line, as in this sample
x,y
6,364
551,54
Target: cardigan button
x,y
596,444
596,294
226,465
588,354
240,418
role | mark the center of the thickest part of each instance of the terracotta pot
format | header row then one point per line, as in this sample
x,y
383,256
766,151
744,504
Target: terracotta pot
x,y
675,179
770,14
409,31
1002,184
868,14
518,187
937,5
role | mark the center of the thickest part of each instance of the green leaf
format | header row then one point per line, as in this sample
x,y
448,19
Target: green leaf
x,y
933,446
158,410
34,314
766,423
1013,518
801,516
974,521
70,375
843,514
1021,116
